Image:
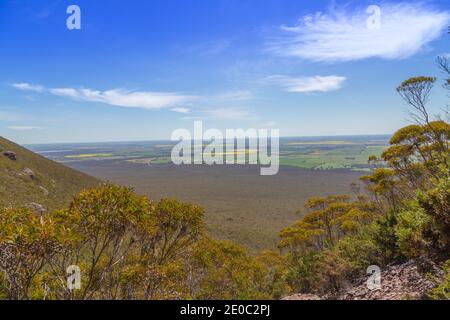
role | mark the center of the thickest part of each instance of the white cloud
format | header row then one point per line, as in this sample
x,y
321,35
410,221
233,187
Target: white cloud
x,y
343,35
65,92
124,98
176,102
117,97
307,84
28,87
24,128
180,110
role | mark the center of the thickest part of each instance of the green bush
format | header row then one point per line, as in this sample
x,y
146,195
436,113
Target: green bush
x,y
361,250
442,292
409,231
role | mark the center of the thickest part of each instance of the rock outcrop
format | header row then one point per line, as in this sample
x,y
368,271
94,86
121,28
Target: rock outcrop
x,y
27,172
38,208
10,155
303,296
411,280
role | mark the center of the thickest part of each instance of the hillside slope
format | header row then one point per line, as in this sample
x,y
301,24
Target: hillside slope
x,y
28,179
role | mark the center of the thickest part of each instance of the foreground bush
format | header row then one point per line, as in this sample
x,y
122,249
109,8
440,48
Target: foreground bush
x,y
127,247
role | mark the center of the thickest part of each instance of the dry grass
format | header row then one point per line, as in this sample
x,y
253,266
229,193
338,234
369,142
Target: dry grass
x,y
52,186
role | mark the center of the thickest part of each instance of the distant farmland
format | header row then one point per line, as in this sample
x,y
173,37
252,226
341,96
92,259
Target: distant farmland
x,y
321,153
352,157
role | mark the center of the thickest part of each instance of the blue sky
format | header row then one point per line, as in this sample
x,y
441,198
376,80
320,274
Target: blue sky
x,y
137,70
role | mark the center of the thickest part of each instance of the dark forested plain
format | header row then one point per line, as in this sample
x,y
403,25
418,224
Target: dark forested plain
x,y
240,205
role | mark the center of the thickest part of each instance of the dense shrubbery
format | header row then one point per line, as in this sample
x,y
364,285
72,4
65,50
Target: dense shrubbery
x,y
127,247
442,292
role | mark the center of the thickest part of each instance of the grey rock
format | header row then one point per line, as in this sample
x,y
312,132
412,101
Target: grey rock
x,y
45,191
398,282
38,208
302,296
27,172
410,280
10,155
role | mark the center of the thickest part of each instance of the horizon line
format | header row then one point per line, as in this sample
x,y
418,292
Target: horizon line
x,y
167,140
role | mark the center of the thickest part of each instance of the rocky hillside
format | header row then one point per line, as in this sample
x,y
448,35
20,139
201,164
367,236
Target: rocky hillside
x,y
411,280
28,179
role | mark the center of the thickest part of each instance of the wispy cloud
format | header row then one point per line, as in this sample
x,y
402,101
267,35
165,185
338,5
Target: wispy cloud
x,y
65,92
343,34
307,84
124,98
117,97
28,87
25,128
175,102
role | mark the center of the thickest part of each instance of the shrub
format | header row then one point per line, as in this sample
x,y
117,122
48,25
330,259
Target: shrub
x,y
442,291
223,270
411,223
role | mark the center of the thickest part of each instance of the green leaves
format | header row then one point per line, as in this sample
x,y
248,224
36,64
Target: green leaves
x,y
331,218
416,81
27,241
127,247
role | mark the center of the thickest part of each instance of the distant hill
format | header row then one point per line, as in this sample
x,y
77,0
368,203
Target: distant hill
x,y
28,179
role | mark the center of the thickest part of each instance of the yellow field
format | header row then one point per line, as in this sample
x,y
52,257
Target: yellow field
x,y
237,152
95,155
331,143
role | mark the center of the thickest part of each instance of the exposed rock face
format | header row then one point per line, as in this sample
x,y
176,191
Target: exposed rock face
x,y
411,280
27,172
303,296
11,155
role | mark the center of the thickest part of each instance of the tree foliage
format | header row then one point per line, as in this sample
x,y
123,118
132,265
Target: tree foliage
x,y
128,247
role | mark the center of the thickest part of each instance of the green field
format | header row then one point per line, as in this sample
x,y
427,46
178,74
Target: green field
x,y
308,153
353,158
